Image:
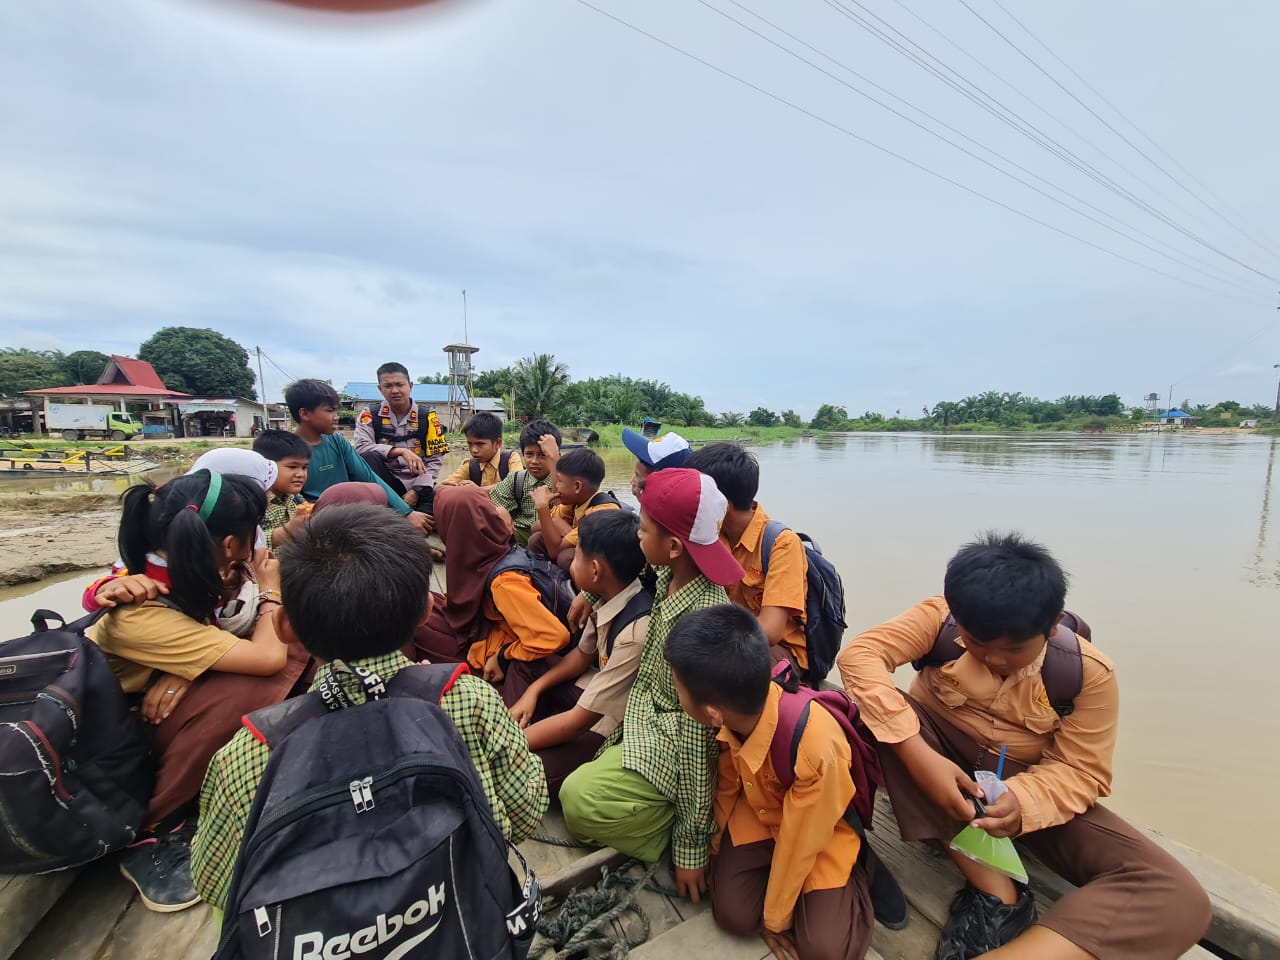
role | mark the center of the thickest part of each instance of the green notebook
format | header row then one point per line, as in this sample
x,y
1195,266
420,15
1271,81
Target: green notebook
x,y
996,852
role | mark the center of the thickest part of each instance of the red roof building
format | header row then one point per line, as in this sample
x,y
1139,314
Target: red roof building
x,y
123,379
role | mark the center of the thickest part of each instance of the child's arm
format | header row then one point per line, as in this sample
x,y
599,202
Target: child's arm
x,y
574,664
459,476
123,589
538,632
785,587
561,728
811,809
360,471
727,786
553,527
694,825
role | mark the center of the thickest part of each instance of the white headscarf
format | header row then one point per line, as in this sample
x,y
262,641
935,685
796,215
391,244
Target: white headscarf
x,y
242,463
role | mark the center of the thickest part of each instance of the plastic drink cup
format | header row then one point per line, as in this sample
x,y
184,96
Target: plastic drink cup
x,y
993,788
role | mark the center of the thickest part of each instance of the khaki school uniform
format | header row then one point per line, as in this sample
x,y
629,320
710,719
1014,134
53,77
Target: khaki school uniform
x,y
784,586
573,516
1134,901
489,474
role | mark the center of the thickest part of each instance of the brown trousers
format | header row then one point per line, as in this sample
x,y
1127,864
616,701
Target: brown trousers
x,y
829,924
205,720
564,758
1134,900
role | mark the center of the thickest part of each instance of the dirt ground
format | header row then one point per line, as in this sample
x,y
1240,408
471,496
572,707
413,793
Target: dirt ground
x,y
44,536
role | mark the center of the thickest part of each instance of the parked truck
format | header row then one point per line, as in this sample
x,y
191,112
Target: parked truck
x,y
76,421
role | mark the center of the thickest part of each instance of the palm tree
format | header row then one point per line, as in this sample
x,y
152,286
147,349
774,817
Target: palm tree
x,y
541,383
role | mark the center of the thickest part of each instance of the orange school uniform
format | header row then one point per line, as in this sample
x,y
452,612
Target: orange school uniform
x,y
489,475
521,627
814,848
573,516
785,585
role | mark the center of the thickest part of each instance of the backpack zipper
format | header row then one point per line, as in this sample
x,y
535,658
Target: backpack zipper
x,y
47,756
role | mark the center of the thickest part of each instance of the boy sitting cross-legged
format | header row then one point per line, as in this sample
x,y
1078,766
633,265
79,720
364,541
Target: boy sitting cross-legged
x,y
540,447
1005,596
355,582
653,783
564,723
291,455
786,864
577,493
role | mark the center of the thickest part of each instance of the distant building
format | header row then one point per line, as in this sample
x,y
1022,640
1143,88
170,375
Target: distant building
x,y
494,405
124,382
1177,419
1250,424
228,416
360,393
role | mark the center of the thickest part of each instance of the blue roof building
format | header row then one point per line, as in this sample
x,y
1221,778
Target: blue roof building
x,y
433,394
1177,418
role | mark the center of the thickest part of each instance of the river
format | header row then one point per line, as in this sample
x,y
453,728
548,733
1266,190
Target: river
x,y
1172,557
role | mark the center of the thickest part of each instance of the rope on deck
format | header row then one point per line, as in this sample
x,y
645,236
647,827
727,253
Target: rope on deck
x,y
575,928
558,841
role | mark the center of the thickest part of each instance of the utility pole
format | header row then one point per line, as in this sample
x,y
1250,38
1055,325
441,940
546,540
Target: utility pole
x,y
1275,417
266,417
465,336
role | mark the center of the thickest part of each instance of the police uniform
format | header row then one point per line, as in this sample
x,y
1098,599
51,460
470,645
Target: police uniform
x,y
379,429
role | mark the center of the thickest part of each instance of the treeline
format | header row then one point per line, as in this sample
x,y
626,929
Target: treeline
x,y
540,386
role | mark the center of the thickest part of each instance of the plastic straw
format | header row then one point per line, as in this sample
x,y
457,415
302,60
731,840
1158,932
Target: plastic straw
x,y
1000,763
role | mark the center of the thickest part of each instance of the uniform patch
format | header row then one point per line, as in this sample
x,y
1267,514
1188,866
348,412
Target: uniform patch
x,y
366,416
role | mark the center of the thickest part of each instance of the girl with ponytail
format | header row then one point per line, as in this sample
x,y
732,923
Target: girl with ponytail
x,y
191,679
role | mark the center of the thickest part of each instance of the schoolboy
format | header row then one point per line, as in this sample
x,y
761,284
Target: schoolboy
x,y
607,567
540,448
380,567
577,494
487,464
776,597
668,450
653,782
291,455
785,863
313,404
1006,594
401,441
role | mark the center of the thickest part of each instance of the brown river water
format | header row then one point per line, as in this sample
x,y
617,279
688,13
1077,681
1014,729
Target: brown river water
x,y
1173,560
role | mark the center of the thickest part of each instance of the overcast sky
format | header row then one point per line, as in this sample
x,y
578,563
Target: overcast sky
x,y
325,187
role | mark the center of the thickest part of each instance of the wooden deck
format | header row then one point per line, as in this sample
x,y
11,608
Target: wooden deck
x,y
95,915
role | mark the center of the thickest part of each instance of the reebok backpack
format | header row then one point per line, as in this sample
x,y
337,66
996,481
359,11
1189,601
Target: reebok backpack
x,y
794,708
824,623
554,585
75,765
370,835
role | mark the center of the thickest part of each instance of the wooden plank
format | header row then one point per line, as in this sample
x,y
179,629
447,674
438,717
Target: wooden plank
x,y
81,924
916,942
24,900
143,934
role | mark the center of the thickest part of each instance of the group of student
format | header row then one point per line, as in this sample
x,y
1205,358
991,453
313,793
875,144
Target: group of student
x,y
624,664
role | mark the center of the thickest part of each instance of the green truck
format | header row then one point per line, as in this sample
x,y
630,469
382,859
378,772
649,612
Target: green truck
x,y
78,421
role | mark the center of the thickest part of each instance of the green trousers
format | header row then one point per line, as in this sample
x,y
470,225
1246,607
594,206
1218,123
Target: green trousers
x,y
610,806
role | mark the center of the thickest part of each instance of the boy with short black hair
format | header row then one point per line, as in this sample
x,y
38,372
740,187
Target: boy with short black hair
x,y
313,404
381,568
786,865
653,782
540,447
564,723
292,456
1006,595
775,595
576,491
487,464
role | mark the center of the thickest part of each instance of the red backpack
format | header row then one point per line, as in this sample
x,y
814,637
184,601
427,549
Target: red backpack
x,y
793,715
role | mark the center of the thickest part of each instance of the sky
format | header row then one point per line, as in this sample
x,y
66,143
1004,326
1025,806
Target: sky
x,y
325,186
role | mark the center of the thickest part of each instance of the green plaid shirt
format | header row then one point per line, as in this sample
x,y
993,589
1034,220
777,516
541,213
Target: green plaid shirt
x,y
511,775
524,513
660,741
280,510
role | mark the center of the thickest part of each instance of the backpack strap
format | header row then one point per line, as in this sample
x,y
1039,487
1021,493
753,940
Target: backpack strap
x,y
602,497
473,471
1062,672
426,681
638,606
517,487
793,716
517,558
504,466
771,531
375,420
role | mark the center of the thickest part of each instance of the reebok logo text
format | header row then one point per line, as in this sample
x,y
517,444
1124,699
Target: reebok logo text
x,y
314,946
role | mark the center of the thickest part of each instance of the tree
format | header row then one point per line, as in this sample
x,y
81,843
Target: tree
x,y
791,419
731,419
762,417
199,361
22,369
434,378
84,366
541,384
829,417
494,383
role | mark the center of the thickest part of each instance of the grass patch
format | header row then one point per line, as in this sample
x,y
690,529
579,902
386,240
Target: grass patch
x,y
610,434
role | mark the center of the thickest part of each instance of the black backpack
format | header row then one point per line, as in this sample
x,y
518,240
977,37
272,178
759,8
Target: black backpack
x,y
370,835
75,766
554,585
474,470
641,605
1061,672
824,623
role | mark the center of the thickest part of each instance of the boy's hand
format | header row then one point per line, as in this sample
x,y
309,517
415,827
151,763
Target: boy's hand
x,y
940,779
550,449
1004,817
782,945
420,521
268,572
691,883
523,709
162,697
493,672
541,498
579,613
134,588
412,461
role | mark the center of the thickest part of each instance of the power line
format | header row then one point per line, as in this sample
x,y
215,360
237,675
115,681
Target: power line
x,y
892,153
1117,110
1021,124
1221,278
286,375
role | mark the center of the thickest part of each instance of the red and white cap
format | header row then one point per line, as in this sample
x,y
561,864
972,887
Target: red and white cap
x,y
688,504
